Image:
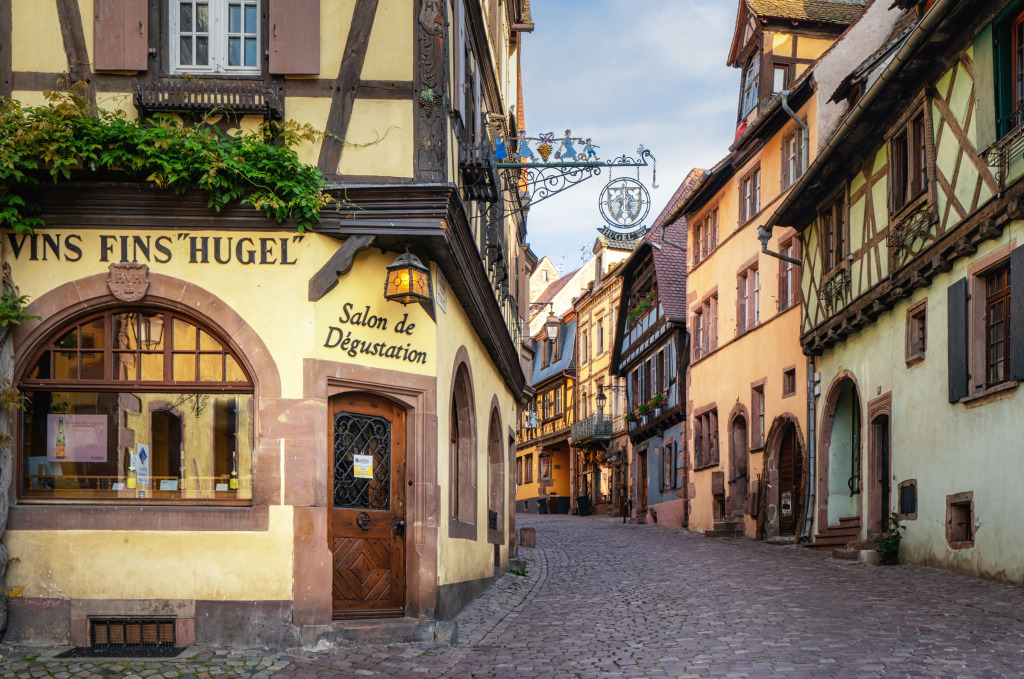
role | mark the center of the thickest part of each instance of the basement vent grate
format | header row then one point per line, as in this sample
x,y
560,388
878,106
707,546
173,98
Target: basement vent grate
x,y
128,638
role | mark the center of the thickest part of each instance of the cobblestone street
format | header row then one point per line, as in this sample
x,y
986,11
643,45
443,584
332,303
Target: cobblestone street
x,y
606,600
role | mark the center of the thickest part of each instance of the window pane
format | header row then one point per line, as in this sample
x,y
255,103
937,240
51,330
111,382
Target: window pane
x,y
151,331
153,367
185,24
124,331
94,334
211,367
92,365
185,51
233,372
184,367
234,19
71,448
250,19
202,51
68,341
41,370
234,51
184,335
125,366
202,18
65,365
250,51
207,343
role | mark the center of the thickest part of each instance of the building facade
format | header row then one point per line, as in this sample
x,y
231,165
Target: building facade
x,y
229,430
914,291
600,438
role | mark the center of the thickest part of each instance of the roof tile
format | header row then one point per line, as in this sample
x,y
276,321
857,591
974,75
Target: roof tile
x,y
830,11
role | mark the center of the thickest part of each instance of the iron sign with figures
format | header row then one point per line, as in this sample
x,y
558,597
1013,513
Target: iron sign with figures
x,y
624,204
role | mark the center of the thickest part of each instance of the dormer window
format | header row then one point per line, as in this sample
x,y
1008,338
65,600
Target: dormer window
x,y
751,74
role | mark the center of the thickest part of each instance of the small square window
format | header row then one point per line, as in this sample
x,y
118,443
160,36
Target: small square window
x,y
917,332
789,382
960,520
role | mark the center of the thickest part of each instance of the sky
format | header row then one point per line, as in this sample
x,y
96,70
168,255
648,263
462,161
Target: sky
x,y
625,73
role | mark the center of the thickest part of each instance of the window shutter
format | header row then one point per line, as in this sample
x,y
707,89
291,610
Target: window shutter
x,y
957,327
295,37
1017,314
985,90
120,35
459,100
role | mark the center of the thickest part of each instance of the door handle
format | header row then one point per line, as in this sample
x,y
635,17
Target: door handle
x,y
397,527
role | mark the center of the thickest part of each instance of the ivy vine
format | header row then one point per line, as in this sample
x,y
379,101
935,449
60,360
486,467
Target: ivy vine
x,y
67,133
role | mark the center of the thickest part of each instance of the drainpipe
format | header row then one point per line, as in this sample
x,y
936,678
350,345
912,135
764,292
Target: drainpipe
x,y
812,447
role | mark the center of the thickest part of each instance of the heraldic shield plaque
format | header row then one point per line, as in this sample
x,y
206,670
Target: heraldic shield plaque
x,y
128,281
624,204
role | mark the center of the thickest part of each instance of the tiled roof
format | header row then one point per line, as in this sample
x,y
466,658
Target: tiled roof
x,y
829,11
565,354
670,261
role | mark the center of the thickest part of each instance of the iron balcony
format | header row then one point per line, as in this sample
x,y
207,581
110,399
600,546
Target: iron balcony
x,y
596,428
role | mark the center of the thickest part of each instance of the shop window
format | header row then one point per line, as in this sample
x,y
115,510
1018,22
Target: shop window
x,y
137,405
960,520
917,332
215,36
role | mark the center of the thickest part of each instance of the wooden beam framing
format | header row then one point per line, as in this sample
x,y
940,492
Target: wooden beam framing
x,y
6,63
340,263
347,85
74,45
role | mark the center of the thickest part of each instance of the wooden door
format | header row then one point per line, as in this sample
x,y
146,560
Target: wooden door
x,y
367,517
739,453
790,464
641,483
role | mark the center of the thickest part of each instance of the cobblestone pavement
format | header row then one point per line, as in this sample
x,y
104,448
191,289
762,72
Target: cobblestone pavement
x,y
603,600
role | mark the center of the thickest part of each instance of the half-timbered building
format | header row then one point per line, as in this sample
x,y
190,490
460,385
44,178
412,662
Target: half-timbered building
x,y
913,282
651,354
747,374
230,435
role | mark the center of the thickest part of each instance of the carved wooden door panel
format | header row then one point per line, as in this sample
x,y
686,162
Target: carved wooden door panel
x,y
367,515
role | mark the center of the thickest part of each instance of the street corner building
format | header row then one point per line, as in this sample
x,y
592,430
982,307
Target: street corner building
x,y
235,433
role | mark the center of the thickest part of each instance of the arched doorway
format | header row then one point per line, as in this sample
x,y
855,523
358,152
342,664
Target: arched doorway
x,y
844,454
495,482
790,465
739,454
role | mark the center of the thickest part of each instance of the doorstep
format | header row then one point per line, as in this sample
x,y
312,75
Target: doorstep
x,y
379,631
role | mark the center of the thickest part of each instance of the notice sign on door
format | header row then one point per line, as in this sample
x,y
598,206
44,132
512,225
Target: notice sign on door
x,y
787,504
362,466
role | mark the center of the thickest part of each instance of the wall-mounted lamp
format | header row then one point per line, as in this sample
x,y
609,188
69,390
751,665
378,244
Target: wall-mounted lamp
x,y
408,280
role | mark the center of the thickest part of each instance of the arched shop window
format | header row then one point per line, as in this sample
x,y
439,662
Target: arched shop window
x,y
136,405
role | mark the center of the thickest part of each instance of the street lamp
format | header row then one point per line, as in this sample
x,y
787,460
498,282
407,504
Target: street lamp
x,y
601,401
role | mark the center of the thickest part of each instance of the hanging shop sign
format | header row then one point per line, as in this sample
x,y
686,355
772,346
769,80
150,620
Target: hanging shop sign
x,y
624,204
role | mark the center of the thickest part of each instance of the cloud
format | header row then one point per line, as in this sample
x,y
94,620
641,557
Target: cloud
x,y
627,72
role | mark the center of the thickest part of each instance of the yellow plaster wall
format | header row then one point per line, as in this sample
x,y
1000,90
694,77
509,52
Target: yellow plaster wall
x,y
390,52
336,17
36,39
724,377
156,564
458,559
380,139
812,48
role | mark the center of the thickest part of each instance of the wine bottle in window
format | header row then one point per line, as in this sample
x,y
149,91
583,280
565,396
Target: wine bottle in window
x,y
60,447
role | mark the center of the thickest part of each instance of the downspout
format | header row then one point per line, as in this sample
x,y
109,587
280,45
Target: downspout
x,y
808,518
812,447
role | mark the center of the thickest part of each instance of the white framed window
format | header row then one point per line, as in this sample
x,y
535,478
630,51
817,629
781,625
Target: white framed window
x,y
215,36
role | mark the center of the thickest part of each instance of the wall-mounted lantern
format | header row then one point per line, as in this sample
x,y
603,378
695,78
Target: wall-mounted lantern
x,y
408,280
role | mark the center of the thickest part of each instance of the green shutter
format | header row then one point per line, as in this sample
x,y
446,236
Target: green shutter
x,y
959,375
985,90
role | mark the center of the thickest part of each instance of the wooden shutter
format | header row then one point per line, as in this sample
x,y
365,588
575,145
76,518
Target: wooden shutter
x,y
1017,314
957,344
120,35
459,101
295,37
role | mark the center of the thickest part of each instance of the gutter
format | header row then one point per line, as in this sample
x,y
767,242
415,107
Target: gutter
x,y
923,31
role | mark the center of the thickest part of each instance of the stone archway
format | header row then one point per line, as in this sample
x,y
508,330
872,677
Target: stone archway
x,y
739,462
495,478
787,473
840,476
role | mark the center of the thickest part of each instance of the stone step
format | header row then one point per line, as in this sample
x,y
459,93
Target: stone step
x,y
382,631
724,533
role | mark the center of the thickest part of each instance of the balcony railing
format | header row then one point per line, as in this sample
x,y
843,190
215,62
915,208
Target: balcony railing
x,y
206,97
593,428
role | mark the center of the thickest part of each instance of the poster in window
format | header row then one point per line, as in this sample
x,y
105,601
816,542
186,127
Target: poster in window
x,y
362,466
545,467
76,438
141,459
